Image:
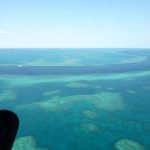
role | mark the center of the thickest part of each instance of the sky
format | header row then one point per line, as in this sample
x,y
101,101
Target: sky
x,y
74,23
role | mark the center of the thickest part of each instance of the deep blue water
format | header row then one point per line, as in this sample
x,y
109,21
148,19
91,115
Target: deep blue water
x,y
78,99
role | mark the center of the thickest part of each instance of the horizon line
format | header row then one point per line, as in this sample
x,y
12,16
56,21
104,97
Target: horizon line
x,y
74,47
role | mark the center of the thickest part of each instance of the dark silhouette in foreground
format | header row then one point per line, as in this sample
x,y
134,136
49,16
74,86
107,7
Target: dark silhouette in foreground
x,y
9,124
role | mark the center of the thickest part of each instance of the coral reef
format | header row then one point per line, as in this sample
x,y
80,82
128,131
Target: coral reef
x,y
25,80
89,127
131,91
108,101
7,95
126,144
26,143
89,114
50,93
43,62
136,59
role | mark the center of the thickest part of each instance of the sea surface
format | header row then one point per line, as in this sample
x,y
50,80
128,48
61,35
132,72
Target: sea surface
x,y
78,99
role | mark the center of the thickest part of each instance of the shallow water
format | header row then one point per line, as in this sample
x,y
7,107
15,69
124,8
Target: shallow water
x,y
78,99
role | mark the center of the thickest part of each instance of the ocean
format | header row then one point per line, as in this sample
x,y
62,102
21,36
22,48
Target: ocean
x,y
78,99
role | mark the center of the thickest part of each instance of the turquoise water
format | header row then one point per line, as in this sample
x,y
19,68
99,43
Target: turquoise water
x,y
78,99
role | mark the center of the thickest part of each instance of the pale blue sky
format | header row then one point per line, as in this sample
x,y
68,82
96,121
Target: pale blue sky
x,y
75,23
